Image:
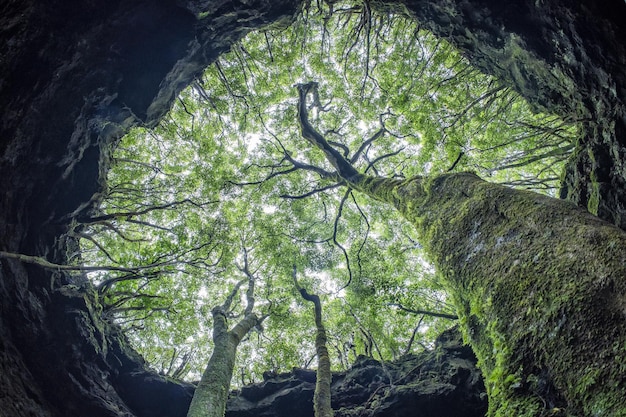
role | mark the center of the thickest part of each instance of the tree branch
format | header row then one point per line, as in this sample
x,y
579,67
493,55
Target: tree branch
x,y
341,164
426,312
39,261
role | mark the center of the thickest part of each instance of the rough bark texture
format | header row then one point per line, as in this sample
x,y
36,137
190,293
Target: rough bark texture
x,y
539,284
76,74
540,288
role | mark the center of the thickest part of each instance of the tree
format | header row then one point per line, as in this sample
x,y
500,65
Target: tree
x,y
73,362
520,315
321,398
209,398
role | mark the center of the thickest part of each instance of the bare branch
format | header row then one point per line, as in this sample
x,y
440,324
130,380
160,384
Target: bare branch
x,y
312,192
39,261
426,312
409,345
341,164
366,143
130,214
336,242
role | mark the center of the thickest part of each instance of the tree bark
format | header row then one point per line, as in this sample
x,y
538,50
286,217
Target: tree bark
x,y
539,284
209,399
321,397
567,58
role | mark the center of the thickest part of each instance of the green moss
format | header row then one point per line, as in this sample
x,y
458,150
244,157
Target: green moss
x,y
539,286
593,202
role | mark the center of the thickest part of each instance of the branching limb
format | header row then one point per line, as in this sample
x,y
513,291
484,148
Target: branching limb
x,y
426,312
341,164
312,192
129,214
251,280
374,187
39,261
409,345
367,143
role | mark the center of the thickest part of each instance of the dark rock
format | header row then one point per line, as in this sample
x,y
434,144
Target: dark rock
x,y
438,383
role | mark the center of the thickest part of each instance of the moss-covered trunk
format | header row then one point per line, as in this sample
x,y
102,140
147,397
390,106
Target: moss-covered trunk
x,y
209,399
540,287
321,397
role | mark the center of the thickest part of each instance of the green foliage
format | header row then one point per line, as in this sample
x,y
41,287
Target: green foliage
x,y
227,171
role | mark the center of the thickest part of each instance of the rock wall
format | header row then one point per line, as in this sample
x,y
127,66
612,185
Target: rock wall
x,y
76,74
443,382
567,58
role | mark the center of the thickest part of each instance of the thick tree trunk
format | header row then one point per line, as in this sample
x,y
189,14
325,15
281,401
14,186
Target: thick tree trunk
x,y
539,283
540,288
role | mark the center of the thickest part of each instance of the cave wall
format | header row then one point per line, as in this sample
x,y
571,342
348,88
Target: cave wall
x,y
442,382
75,75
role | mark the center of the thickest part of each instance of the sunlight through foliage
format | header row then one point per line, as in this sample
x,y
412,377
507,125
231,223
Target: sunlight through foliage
x,y
227,173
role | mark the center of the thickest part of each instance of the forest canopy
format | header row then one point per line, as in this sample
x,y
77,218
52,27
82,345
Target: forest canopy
x,y
225,188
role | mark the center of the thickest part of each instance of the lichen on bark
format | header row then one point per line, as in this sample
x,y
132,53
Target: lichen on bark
x,y
539,287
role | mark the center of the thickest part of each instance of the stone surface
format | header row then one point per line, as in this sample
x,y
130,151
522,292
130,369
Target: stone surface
x,y
443,382
567,58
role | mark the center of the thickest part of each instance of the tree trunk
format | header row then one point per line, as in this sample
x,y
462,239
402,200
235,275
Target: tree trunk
x,y
209,399
321,397
539,285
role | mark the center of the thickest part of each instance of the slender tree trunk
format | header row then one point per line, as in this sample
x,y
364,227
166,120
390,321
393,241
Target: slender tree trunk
x,y
209,399
539,285
321,397
211,394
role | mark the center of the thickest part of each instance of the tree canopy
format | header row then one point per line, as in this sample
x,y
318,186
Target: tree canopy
x,y
225,186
